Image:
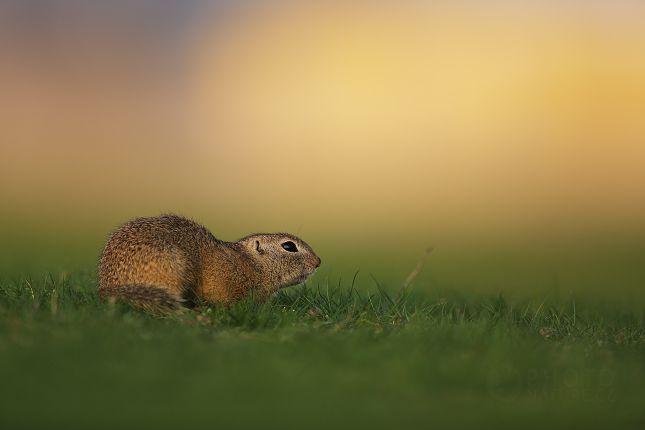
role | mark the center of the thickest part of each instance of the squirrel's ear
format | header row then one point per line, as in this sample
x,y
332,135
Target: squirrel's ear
x,y
257,248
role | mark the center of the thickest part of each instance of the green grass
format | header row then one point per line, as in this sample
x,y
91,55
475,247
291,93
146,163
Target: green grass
x,y
358,360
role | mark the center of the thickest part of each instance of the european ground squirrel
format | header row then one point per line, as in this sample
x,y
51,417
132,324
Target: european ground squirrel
x,y
158,263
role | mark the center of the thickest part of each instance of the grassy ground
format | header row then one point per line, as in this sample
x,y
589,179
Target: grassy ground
x,y
316,357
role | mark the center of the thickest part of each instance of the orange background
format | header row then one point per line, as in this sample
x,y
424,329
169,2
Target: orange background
x,y
510,136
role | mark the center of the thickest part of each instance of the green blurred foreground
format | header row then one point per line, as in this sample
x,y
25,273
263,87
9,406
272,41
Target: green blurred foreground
x,y
357,361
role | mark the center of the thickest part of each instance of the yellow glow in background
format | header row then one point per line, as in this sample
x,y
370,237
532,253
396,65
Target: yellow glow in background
x,y
509,136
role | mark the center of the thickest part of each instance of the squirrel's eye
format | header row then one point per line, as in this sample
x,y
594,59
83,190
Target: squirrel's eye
x,y
290,246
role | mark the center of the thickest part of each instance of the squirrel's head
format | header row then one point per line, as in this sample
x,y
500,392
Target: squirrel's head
x,y
284,258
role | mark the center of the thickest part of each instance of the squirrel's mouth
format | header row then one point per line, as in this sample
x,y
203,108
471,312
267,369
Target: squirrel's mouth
x,y
303,278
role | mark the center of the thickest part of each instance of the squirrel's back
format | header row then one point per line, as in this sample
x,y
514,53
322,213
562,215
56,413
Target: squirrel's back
x,y
156,263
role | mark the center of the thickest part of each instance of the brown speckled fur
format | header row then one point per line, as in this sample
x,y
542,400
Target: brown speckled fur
x,y
156,263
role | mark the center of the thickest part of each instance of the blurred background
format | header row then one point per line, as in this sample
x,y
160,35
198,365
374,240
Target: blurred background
x,y
508,135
